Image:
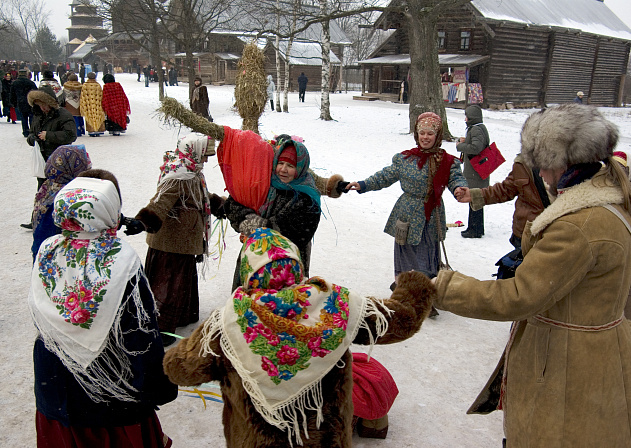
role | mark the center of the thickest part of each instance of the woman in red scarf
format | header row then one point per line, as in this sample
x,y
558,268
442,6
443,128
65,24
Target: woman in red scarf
x,y
115,104
417,220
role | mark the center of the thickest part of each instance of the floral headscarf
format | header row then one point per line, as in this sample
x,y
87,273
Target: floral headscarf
x,y
63,165
283,334
79,281
185,164
303,182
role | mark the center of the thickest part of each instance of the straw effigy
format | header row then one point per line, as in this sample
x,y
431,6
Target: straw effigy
x,y
251,87
174,113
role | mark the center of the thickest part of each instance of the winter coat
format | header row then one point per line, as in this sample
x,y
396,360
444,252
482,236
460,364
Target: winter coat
x,y
565,387
410,207
72,95
174,225
519,183
19,91
58,123
200,106
244,426
60,397
270,87
91,109
294,214
476,139
302,82
6,93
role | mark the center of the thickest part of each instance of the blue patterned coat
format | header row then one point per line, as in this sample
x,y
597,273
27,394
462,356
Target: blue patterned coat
x,y
410,206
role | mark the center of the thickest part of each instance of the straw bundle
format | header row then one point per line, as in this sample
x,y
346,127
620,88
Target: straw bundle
x,y
175,113
251,87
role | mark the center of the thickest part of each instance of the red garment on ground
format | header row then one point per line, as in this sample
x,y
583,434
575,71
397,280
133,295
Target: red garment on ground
x,y
374,389
145,434
115,104
246,162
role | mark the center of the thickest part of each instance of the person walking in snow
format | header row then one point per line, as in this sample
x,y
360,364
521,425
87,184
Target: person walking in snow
x,y
563,379
417,221
271,87
476,139
19,92
72,95
48,79
302,86
91,106
115,105
199,101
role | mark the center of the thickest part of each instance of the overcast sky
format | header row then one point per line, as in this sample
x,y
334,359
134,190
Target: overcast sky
x,y
60,10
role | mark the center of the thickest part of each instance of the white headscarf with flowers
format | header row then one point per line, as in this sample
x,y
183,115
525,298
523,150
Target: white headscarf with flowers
x,y
78,283
283,333
185,164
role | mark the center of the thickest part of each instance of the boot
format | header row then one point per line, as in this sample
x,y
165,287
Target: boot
x,y
374,429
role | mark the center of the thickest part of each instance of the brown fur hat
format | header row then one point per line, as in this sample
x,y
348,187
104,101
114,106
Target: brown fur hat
x,y
567,135
44,94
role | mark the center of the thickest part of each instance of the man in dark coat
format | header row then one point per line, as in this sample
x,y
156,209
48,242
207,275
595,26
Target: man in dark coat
x,y
579,97
302,86
35,69
82,72
53,126
476,140
19,91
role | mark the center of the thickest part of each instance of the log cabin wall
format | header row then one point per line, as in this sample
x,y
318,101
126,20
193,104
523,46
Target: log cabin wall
x,y
609,71
571,66
516,70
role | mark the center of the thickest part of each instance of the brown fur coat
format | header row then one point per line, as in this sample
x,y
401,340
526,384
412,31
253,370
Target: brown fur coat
x,y
244,427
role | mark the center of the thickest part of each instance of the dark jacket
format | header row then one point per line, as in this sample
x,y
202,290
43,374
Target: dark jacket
x,y
19,91
200,107
60,397
302,82
476,140
59,124
6,92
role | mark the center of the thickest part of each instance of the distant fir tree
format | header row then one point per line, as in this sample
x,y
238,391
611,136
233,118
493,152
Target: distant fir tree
x,y
48,45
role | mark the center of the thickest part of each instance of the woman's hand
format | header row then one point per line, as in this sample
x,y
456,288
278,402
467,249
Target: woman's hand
x,y
353,186
462,194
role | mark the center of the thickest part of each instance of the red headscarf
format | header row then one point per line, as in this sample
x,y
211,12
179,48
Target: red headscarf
x,y
439,161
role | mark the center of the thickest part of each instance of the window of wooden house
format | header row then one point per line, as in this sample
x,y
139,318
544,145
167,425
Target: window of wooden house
x,y
442,40
465,40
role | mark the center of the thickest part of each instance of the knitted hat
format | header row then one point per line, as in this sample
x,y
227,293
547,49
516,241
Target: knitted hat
x,y
566,135
289,155
579,93
620,157
107,78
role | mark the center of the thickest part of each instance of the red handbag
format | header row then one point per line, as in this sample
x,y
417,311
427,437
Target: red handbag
x,y
487,161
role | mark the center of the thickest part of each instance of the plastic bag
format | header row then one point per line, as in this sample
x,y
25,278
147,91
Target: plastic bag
x,y
37,162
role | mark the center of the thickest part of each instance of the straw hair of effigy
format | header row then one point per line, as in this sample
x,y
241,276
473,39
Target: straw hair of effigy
x,y
250,91
174,113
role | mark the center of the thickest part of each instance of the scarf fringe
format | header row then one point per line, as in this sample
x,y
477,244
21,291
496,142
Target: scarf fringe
x,y
108,376
291,415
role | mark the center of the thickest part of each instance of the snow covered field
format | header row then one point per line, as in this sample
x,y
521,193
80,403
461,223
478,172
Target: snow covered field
x,y
438,372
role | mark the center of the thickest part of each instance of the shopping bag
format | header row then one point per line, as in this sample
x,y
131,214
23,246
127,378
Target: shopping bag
x,y
37,162
487,161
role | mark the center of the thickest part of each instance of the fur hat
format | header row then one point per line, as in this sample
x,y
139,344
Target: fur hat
x,y
73,77
566,135
91,75
44,94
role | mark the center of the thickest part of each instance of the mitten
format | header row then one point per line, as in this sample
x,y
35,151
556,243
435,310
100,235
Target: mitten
x,y
216,206
251,223
341,187
132,226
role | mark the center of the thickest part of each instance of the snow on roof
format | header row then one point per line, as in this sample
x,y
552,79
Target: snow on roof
x,y
591,16
82,51
306,53
451,60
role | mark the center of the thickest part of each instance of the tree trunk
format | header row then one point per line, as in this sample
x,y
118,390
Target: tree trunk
x,y
190,73
425,93
278,67
286,87
325,106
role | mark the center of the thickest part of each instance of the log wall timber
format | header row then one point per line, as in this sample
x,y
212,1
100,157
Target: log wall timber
x,y
517,66
571,66
610,66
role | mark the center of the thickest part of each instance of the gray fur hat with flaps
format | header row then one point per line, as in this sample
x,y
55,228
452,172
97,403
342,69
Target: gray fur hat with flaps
x,y
567,135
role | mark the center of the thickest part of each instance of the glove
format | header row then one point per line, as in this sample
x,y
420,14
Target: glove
x,y
132,226
199,258
341,187
216,206
251,223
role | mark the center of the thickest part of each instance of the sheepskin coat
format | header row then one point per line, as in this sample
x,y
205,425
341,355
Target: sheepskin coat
x,y
567,385
245,428
519,183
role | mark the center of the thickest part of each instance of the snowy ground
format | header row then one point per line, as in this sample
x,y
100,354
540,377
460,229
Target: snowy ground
x,y
439,371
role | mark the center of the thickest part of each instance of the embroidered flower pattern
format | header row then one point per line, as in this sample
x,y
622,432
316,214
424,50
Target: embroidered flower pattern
x,y
271,325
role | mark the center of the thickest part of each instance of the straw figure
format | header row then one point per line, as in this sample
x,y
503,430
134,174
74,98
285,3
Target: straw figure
x,y
251,87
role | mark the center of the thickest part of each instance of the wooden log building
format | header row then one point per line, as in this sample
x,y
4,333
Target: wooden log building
x,y
519,53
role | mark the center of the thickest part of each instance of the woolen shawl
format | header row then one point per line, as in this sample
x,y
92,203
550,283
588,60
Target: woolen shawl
x,y
116,104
